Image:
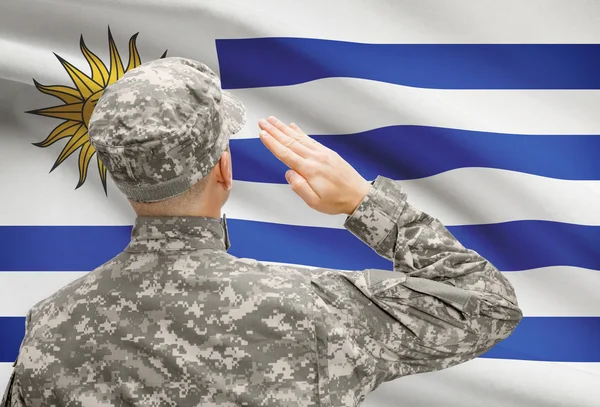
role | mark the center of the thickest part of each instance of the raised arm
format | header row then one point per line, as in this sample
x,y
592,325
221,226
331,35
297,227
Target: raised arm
x,y
443,305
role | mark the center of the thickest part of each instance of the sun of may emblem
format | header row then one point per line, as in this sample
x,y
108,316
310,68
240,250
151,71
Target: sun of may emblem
x,y
79,102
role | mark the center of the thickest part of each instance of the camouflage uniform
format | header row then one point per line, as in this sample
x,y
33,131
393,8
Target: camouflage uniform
x,y
174,320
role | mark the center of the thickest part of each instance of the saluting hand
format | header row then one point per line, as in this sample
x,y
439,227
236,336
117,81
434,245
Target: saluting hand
x,y
323,179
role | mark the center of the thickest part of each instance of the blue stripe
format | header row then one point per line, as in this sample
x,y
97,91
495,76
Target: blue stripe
x,y
12,331
262,62
556,339
510,246
409,152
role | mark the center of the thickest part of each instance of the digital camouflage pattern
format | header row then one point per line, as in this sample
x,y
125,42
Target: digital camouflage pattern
x,y
175,320
163,126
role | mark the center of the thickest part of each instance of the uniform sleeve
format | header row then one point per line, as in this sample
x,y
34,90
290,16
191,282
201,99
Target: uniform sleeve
x,y
12,394
442,305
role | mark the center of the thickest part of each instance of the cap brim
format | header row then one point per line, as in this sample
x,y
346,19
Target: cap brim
x,y
234,114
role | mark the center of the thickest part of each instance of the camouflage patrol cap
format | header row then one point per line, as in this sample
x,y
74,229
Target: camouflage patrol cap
x,y
163,126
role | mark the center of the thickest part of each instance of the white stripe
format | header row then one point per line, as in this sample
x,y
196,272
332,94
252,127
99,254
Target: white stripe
x,y
458,197
401,21
429,21
536,289
559,291
481,382
350,105
32,288
495,383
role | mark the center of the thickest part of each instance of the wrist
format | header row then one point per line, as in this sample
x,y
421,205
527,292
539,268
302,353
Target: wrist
x,y
358,197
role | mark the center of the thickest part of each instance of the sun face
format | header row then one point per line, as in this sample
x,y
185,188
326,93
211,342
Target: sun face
x,y
79,102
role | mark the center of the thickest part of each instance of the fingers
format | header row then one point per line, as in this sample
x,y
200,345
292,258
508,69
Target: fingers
x,y
296,133
283,138
301,187
295,127
306,140
286,155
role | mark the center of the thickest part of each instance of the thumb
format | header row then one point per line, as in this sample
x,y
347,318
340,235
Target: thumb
x,y
301,187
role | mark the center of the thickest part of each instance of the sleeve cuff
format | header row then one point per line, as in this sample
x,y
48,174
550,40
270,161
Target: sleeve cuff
x,y
378,213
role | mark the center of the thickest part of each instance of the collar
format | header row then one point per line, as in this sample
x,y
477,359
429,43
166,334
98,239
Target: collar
x,y
178,233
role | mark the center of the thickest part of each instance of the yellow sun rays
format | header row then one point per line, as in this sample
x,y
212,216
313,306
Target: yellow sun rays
x,y
79,102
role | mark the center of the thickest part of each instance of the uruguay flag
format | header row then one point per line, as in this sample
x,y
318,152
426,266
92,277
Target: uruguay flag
x,y
486,112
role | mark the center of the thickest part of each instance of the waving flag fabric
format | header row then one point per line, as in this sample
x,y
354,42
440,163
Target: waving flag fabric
x,y
486,112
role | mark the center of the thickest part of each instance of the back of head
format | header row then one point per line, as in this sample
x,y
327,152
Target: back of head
x,y
162,127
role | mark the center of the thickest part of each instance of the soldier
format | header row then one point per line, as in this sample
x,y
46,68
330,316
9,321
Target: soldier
x,y
174,320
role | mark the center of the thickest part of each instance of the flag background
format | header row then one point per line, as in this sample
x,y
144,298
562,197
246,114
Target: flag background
x,y
485,111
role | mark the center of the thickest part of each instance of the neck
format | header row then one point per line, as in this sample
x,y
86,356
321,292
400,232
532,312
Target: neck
x,y
201,209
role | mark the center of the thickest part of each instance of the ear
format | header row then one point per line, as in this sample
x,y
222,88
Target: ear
x,y
224,170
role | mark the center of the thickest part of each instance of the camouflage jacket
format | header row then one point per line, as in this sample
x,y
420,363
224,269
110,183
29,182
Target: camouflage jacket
x,y
174,320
